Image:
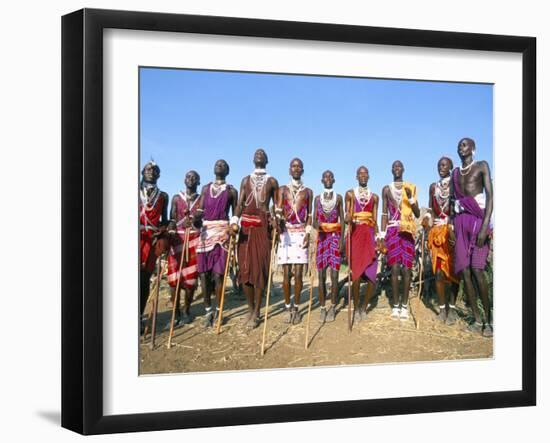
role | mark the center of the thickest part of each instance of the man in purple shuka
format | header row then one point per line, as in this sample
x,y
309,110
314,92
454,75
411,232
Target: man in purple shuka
x,y
472,191
216,199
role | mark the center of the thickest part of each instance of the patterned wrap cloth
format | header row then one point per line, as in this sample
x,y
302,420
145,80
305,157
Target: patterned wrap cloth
x,y
149,221
189,271
399,241
212,252
254,248
290,249
438,243
467,223
364,263
328,240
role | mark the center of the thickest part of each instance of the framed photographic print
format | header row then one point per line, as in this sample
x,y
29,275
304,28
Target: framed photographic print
x,y
269,221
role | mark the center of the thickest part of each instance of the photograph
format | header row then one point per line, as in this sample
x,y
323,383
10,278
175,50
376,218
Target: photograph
x,y
303,220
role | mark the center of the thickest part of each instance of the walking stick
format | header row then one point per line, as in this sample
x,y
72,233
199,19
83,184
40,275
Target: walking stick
x,y
310,294
349,266
178,287
227,262
155,304
421,273
269,279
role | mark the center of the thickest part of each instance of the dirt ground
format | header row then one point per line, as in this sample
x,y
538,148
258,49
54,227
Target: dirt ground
x,y
376,340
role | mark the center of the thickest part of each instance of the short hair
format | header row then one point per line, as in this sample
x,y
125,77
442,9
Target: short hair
x,y
192,171
468,140
226,164
297,159
265,153
362,167
329,171
154,166
446,158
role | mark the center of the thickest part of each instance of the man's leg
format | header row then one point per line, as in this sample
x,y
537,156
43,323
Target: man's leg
x,y
404,314
206,286
440,291
249,293
355,289
287,316
452,315
395,270
144,283
371,286
331,312
321,289
477,326
483,287
298,285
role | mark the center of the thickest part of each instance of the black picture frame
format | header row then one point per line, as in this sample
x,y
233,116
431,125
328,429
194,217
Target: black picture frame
x,y
82,230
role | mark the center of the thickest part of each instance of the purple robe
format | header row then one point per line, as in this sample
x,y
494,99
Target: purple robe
x,y
214,209
467,225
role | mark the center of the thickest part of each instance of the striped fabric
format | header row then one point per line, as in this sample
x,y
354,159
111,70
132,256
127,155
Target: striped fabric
x,y
189,271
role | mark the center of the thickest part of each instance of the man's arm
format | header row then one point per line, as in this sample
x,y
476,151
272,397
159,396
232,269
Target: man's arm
x,y
375,212
384,219
314,217
164,220
240,203
233,199
488,186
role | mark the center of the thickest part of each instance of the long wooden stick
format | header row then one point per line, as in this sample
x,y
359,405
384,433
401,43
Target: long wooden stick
x,y
156,304
421,279
311,277
269,279
178,287
349,265
222,298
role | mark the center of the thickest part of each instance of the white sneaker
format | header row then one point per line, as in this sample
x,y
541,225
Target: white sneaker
x,y
404,314
395,312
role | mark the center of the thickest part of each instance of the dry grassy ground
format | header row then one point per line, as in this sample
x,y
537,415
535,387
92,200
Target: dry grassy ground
x,y
376,340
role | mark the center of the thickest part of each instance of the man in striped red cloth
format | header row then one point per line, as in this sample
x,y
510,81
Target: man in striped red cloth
x,y
153,209
257,193
399,209
361,215
328,220
217,198
184,227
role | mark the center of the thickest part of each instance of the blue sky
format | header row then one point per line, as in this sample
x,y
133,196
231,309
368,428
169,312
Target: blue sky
x,y
190,119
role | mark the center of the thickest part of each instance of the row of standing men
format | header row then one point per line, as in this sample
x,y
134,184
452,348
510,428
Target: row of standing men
x,y
197,233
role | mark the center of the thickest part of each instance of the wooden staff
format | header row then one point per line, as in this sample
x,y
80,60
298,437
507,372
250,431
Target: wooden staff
x,y
421,277
311,291
227,263
178,287
273,242
155,304
349,265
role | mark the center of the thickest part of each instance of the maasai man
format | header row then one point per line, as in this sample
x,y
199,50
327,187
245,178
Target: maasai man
x,y
361,214
398,231
438,240
216,199
153,209
472,190
184,227
257,191
328,220
294,214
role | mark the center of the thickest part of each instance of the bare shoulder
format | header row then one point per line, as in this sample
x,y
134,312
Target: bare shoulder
x,y
385,190
273,181
483,165
432,187
375,197
244,181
